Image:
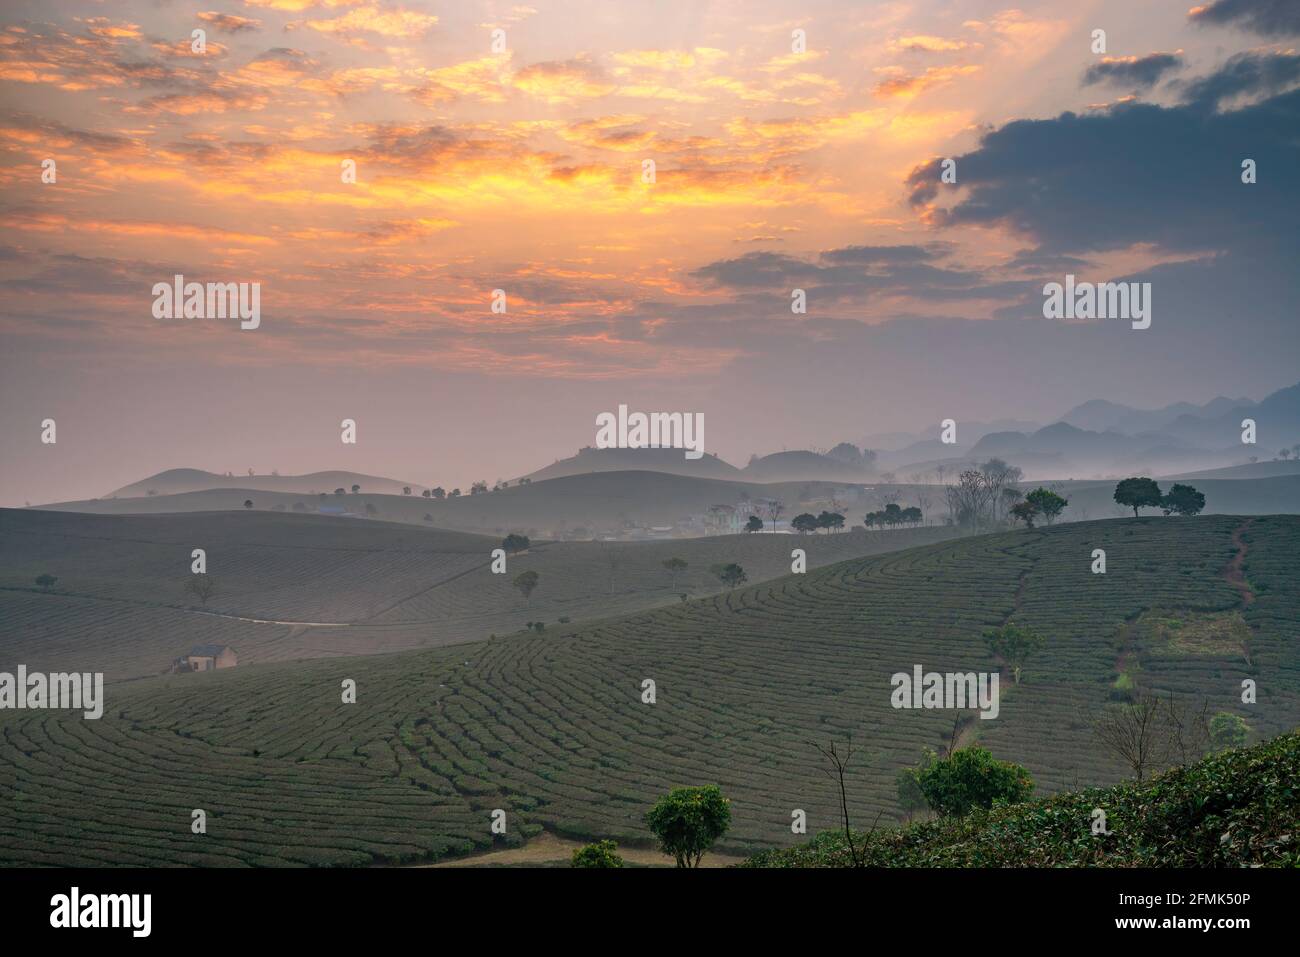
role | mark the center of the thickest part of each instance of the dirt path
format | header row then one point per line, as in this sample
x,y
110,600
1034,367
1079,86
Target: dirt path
x,y
1235,571
547,848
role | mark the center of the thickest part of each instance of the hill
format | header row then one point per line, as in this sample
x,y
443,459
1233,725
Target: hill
x,y
670,461
552,727
302,586
177,481
802,466
604,503
1233,809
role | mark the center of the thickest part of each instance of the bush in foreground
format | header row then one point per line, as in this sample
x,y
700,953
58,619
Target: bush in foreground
x,y
1239,808
599,854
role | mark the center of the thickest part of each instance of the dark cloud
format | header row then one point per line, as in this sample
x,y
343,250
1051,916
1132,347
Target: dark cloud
x,y
1138,72
229,22
1246,74
1270,18
853,272
1135,173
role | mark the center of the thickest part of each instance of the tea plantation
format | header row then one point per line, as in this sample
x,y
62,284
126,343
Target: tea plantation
x,y
553,729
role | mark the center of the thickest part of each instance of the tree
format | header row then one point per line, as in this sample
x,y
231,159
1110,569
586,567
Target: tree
x,y
406,490
515,543
911,798
526,582
478,487
755,524
340,491
997,475
675,566
599,854
1048,503
46,581
428,517
356,489
1025,512
1228,730
911,515
1132,732
439,493
804,523
971,778
201,587
830,521
774,510
455,493
1183,500
426,493
1136,493
847,453
688,820
730,575
248,503
838,766
1013,645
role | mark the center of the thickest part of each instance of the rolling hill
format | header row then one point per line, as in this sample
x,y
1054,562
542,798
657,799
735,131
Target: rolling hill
x,y
303,586
178,481
552,727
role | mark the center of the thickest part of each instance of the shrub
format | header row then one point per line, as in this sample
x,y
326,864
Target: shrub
x,y
599,854
972,778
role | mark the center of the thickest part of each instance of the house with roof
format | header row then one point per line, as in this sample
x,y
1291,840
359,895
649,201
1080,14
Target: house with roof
x,y
206,658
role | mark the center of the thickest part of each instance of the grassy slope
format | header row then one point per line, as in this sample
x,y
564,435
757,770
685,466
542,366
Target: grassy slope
x,y
119,605
1238,808
552,729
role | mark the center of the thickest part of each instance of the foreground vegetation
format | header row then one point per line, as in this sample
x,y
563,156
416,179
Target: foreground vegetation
x,y
1238,808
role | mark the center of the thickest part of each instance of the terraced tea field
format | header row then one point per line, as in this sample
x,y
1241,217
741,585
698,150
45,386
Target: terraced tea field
x,y
119,605
552,729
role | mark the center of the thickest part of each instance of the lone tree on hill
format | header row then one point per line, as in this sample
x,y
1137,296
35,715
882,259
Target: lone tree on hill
x,y
774,510
688,820
755,524
675,566
46,582
1013,645
248,503
730,575
515,543
526,582
1136,493
201,587
1183,500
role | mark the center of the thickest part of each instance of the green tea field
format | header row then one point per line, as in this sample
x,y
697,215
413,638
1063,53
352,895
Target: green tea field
x,y
552,728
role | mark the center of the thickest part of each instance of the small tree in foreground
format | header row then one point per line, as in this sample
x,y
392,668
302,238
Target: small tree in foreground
x,y
599,854
970,778
688,820
755,524
839,764
1047,503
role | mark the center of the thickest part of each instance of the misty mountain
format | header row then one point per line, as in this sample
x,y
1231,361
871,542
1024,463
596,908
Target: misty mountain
x,y
1100,415
670,461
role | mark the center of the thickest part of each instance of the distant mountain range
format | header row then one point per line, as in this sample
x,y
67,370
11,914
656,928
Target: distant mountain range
x,y
176,481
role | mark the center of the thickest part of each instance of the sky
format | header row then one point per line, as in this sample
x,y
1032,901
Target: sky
x,y
796,145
